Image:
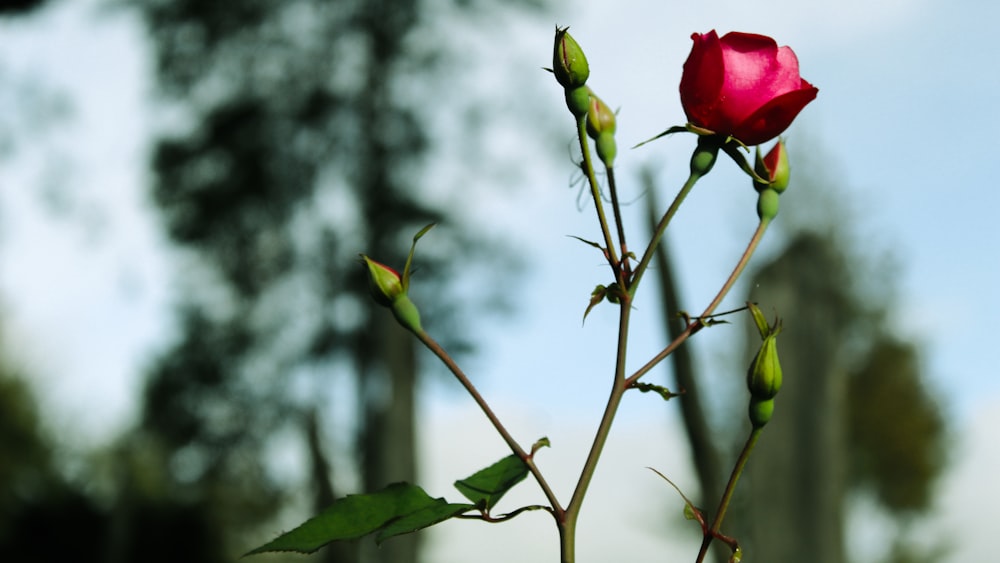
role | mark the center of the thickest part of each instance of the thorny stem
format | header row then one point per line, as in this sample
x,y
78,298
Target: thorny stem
x,y
697,324
661,228
727,496
516,448
595,192
567,528
613,188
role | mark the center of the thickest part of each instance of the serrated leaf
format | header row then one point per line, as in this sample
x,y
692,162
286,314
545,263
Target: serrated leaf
x,y
422,519
352,517
486,487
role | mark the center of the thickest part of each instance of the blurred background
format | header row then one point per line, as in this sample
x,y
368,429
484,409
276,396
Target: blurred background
x,y
190,363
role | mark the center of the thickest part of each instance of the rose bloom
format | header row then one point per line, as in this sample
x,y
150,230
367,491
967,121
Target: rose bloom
x,y
743,85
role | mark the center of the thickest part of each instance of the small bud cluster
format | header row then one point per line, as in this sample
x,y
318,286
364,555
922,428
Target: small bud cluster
x,y
569,64
601,128
774,168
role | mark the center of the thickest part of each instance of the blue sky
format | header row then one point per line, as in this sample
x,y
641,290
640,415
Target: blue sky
x,y
904,123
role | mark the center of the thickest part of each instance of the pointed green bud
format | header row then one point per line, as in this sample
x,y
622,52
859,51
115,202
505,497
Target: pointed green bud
x,y
568,61
773,167
385,284
764,373
601,128
600,118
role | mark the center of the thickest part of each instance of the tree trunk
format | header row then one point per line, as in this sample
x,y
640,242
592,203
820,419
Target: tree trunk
x,y
795,480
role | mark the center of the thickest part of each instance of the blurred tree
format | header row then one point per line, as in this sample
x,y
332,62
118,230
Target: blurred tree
x,y
43,517
841,425
895,428
296,143
19,7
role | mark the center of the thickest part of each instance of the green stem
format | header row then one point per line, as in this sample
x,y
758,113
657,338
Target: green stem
x,y
516,448
595,192
616,208
727,496
567,528
697,324
661,228
702,160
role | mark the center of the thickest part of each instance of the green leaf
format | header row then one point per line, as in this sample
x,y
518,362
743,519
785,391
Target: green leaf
x,y
355,516
671,131
667,394
596,297
409,257
733,150
486,487
422,519
759,320
691,511
587,242
542,442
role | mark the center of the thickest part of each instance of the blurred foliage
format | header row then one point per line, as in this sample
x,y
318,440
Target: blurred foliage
x,y
19,7
25,464
855,414
298,142
896,429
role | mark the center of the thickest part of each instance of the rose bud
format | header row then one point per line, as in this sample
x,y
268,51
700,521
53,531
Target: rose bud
x,y
774,168
601,128
742,85
568,61
388,290
385,284
764,374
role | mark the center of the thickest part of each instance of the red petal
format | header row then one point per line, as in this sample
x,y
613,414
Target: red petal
x,y
775,116
756,71
702,80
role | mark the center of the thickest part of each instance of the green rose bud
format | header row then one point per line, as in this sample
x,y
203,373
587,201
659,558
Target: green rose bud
x,y
385,284
601,128
764,374
774,168
389,289
568,61
600,118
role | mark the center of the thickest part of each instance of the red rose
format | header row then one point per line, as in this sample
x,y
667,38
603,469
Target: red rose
x,y
743,85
